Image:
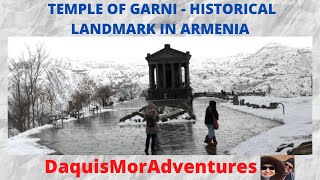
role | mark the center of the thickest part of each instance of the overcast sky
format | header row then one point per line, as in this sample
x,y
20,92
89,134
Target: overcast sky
x,y
135,49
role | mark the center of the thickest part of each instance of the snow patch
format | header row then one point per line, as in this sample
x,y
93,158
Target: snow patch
x,y
23,144
297,127
138,120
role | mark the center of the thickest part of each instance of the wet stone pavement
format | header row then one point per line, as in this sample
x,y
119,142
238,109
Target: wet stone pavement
x,y
100,135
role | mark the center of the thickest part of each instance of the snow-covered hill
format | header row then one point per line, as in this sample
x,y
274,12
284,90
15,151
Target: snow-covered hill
x,y
286,71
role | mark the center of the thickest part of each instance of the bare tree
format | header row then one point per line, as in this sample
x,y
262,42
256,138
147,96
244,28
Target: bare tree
x,y
51,93
41,105
103,93
83,95
128,88
269,90
17,100
24,79
35,69
87,87
78,100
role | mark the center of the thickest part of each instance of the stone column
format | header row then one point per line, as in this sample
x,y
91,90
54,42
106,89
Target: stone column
x,y
158,82
187,75
180,76
172,75
164,76
150,76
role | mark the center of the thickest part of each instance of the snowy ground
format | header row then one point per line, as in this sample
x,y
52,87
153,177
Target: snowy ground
x,y
138,120
22,144
167,111
297,127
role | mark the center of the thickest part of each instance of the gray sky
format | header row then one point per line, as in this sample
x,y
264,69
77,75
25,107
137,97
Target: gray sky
x,y
135,49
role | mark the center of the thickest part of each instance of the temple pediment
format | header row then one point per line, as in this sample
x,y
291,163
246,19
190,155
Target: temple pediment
x,y
168,53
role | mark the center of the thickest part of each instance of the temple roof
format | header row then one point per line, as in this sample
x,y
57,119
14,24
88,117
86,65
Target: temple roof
x,y
167,55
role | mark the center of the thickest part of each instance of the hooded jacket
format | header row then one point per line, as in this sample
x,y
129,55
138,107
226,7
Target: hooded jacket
x,y
280,169
210,112
152,111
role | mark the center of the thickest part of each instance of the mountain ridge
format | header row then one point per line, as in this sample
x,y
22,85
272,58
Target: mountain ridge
x,y
286,71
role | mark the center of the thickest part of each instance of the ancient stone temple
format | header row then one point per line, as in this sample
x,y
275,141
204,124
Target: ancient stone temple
x,y
169,75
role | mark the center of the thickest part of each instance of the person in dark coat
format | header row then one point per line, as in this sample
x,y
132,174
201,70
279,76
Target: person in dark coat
x,y
211,113
289,164
151,111
272,168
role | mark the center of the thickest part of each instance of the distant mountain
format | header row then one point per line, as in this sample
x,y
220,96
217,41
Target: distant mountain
x,y
286,71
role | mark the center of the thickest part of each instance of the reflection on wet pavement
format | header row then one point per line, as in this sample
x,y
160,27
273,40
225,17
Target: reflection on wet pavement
x,y
101,134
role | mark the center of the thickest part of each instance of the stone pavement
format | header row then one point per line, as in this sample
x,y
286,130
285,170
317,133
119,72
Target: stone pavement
x,y
100,135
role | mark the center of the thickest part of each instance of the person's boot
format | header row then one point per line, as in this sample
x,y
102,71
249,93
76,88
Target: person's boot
x,y
146,151
214,140
206,139
153,151
210,141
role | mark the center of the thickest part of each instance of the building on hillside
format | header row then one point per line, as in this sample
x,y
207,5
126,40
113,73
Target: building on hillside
x,y
169,78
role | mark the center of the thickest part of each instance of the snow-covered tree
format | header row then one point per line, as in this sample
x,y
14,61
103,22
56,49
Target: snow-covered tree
x,y
25,78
